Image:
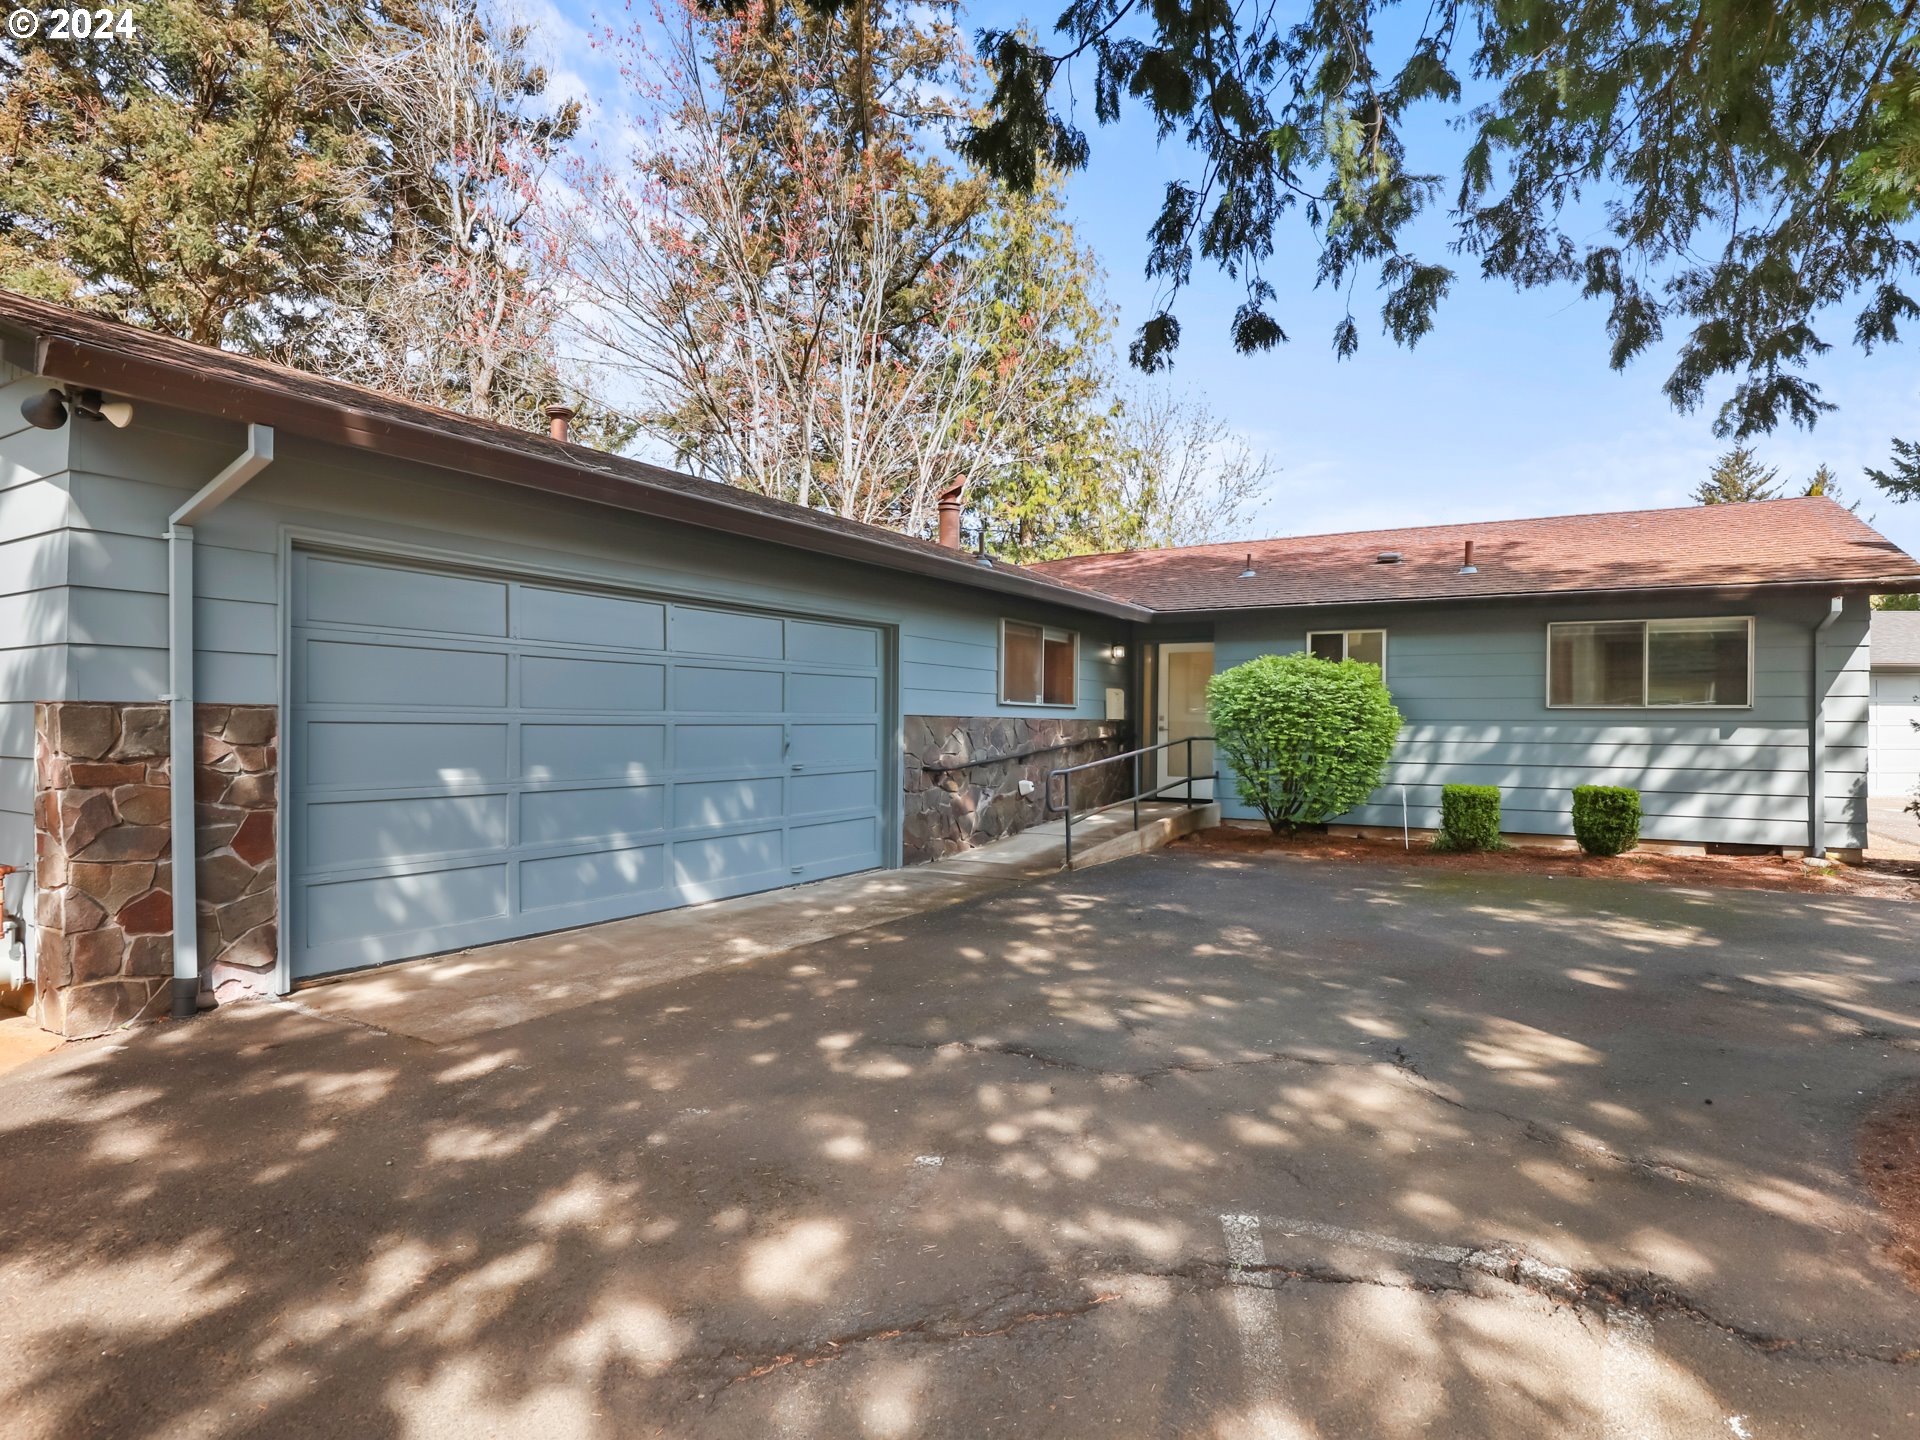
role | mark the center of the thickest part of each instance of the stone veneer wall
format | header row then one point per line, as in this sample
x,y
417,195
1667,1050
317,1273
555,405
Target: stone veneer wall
x,y
102,877
236,808
103,859
950,811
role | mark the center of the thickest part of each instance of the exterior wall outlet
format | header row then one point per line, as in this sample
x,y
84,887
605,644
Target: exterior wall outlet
x,y
1026,788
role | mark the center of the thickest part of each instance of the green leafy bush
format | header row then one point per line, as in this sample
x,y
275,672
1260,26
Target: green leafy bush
x,y
1306,738
1606,818
1469,818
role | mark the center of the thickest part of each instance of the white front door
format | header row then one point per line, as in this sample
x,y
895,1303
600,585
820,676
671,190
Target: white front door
x,y
1181,710
1893,755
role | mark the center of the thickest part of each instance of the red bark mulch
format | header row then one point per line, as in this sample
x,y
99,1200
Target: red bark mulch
x,y
1878,879
1890,1164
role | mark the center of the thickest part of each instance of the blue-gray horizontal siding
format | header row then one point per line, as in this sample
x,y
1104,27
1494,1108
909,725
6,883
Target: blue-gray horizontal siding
x,y
1471,685
125,483
34,630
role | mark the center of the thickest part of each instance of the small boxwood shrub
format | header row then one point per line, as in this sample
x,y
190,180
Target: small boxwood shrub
x,y
1606,818
1307,739
1469,818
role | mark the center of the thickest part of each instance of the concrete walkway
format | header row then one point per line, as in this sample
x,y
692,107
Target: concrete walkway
x,y
453,997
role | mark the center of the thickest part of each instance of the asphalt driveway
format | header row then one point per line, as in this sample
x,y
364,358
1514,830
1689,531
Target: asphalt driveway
x,y
1180,1146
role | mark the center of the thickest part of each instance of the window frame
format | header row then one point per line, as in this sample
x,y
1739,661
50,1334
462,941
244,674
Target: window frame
x,y
1379,630
1047,632
1646,655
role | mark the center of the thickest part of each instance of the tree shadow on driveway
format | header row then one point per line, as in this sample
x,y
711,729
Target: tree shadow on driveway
x,y
1177,1146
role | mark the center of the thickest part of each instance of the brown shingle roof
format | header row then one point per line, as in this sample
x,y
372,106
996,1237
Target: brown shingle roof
x,y
1896,638
123,360
1807,541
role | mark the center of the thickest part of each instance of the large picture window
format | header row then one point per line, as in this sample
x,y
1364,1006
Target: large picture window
x,y
1038,665
1651,664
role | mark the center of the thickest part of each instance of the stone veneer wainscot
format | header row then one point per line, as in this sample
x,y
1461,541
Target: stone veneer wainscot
x,y
948,811
103,859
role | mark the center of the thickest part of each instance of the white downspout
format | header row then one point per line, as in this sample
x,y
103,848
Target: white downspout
x,y
1817,740
179,697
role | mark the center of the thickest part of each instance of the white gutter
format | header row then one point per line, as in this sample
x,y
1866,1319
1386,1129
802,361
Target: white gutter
x,y
181,740
1817,739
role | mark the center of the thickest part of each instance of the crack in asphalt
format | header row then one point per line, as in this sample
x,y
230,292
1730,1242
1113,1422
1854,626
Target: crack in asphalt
x,y
1645,1295
994,1320
1143,1077
1600,1293
1768,993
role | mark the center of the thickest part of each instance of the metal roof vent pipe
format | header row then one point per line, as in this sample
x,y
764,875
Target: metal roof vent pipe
x,y
1247,574
559,417
1387,557
1467,567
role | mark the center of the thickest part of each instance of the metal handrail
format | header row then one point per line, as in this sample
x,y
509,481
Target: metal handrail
x,y
1067,772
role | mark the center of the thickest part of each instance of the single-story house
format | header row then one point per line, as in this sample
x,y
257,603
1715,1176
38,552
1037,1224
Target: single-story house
x,y
440,682
1893,751
1688,653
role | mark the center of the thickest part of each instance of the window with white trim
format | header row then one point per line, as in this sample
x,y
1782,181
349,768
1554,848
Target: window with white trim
x,y
1367,645
1039,665
1702,664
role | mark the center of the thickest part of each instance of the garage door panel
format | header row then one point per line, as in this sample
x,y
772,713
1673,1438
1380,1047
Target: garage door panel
x,y
343,833
720,688
637,873
454,790
578,618
710,804
816,694
593,752
340,592
621,813
366,754
725,632
712,746
345,911
553,682
834,841
706,869
819,644
829,793
1893,766
835,744
341,672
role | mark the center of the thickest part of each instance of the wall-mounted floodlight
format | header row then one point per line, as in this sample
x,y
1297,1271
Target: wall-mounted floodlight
x,y
49,409
45,411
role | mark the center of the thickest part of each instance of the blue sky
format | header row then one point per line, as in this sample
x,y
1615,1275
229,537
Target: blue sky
x,y
1507,409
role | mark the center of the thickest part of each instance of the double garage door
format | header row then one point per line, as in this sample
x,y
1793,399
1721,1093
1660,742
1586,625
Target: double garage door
x,y
1893,754
475,758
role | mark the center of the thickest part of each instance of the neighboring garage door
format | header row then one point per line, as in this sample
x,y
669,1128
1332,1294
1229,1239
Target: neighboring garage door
x,y
475,758
1893,757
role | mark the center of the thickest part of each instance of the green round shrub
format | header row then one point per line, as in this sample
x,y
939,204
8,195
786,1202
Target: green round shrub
x,y
1307,739
1606,818
1469,818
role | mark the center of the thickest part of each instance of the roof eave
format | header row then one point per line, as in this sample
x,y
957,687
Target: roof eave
x,y
79,362
1881,585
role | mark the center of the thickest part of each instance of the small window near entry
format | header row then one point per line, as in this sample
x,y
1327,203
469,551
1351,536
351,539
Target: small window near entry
x,y
1369,646
1651,664
1038,665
